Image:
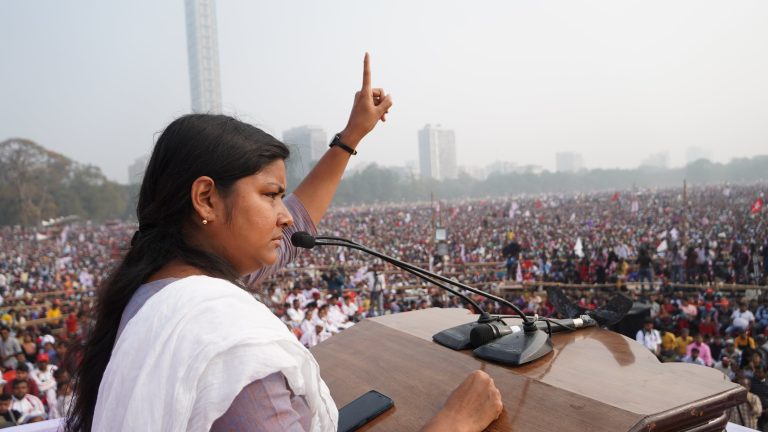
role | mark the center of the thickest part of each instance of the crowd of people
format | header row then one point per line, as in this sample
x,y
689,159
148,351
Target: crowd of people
x,y
680,248
47,286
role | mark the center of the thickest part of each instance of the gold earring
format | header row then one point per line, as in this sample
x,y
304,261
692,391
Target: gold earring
x,y
205,221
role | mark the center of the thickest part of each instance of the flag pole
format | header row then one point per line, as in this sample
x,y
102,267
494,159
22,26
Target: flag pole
x,y
685,213
432,240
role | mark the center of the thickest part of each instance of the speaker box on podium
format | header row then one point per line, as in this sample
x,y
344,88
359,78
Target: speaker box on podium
x,y
633,321
594,379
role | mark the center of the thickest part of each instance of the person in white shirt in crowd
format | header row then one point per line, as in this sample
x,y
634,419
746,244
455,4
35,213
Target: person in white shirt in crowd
x,y
322,319
296,294
336,316
43,376
649,337
308,325
312,338
309,294
295,313
742,318
30,407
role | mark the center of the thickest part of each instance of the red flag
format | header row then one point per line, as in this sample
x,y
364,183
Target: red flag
x,y
538,204
615,197
757,206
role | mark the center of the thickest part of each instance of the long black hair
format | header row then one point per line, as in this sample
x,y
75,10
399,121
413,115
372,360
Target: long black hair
x,y
192,146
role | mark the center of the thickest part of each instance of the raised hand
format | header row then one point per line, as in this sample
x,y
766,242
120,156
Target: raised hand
x,y
370,106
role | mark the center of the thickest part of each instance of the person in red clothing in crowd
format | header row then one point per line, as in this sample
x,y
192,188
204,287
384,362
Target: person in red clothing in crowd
x,y
22,373
707,327
71,324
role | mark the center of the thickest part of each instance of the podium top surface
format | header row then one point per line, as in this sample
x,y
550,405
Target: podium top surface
x,y
594,379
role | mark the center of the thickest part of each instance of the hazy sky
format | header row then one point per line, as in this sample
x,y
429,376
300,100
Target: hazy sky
x,y
517,80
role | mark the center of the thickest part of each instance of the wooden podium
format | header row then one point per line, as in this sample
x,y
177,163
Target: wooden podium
x,y
594,380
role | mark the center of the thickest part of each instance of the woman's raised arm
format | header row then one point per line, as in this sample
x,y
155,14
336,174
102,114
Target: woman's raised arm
x,y
318,187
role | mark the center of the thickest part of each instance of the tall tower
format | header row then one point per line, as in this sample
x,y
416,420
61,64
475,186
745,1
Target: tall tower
x,y
437,153
203,52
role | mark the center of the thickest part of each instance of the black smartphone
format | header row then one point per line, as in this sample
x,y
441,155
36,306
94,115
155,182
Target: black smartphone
x,y
362,410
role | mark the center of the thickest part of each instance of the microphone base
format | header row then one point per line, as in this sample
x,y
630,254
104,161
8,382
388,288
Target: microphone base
x,y
457,338
516,348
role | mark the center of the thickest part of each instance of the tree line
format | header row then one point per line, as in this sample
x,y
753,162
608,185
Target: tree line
x,y
37,184
380,184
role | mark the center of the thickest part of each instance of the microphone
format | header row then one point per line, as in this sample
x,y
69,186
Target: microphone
x,y
456,338
484,333
305,240
533,345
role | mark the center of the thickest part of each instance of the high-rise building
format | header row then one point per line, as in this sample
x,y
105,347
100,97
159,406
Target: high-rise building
x,y
307,144
568,162
136,170
437,153
203,52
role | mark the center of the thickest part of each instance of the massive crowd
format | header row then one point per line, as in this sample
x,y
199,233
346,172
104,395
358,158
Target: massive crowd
x,y
675,250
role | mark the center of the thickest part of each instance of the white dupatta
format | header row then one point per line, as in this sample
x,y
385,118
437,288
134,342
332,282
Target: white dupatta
x,y
189,351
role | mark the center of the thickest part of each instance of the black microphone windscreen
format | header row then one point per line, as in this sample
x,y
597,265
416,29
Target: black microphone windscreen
x,y
303,239
481,334
615,310
562,305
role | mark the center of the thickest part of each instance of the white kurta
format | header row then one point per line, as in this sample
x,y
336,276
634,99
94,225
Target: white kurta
x,y
189,351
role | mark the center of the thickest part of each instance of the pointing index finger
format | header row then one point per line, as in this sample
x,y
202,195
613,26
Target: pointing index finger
x,y
366,73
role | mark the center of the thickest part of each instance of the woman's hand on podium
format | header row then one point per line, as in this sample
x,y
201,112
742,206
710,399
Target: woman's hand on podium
x,y
472,406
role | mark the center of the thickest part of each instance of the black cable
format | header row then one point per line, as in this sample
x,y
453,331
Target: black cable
x,y
551,321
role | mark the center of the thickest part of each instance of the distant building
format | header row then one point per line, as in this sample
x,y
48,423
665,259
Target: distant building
x,y
203,53
307,144
692,154
136,170
656,160
568,162
437,153
503,167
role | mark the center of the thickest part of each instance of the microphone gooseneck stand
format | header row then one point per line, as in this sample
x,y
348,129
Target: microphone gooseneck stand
x,y
514,349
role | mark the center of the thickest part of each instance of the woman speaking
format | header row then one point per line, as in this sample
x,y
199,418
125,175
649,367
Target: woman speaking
x,y
178,344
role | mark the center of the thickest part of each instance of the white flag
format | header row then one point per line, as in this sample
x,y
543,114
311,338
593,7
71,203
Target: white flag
x,y
512,210
578,249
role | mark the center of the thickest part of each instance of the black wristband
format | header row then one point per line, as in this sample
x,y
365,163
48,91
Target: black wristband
x,y
337,142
